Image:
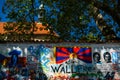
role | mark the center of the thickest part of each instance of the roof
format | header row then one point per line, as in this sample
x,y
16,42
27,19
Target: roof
x,y
2,31
40,29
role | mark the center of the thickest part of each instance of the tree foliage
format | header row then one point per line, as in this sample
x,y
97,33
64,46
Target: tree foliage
x,y
71,19
21,15
76,19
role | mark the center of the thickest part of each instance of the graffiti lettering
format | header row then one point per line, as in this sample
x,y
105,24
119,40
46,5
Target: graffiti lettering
x,y
71,68
55,69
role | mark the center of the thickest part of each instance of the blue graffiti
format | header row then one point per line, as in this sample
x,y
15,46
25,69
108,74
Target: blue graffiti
x,y
14,59
36,50
114,57
42,52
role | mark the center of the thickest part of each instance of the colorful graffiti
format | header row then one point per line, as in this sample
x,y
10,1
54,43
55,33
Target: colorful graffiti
x,y
63,54
46,62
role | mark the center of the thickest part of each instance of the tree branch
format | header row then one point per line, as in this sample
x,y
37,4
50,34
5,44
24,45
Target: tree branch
x,y
106,8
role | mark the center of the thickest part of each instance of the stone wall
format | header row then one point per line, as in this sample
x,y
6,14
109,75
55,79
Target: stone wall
x,y
66,60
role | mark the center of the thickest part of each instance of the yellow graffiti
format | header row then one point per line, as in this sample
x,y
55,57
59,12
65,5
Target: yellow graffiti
x,y
4,62
73,55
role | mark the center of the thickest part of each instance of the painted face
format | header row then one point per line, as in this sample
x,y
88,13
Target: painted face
x,y
107,58
97,58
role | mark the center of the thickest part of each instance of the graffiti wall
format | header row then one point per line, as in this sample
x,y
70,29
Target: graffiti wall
x,y
60,61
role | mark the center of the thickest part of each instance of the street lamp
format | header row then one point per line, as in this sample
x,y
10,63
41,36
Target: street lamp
x,y
41,12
